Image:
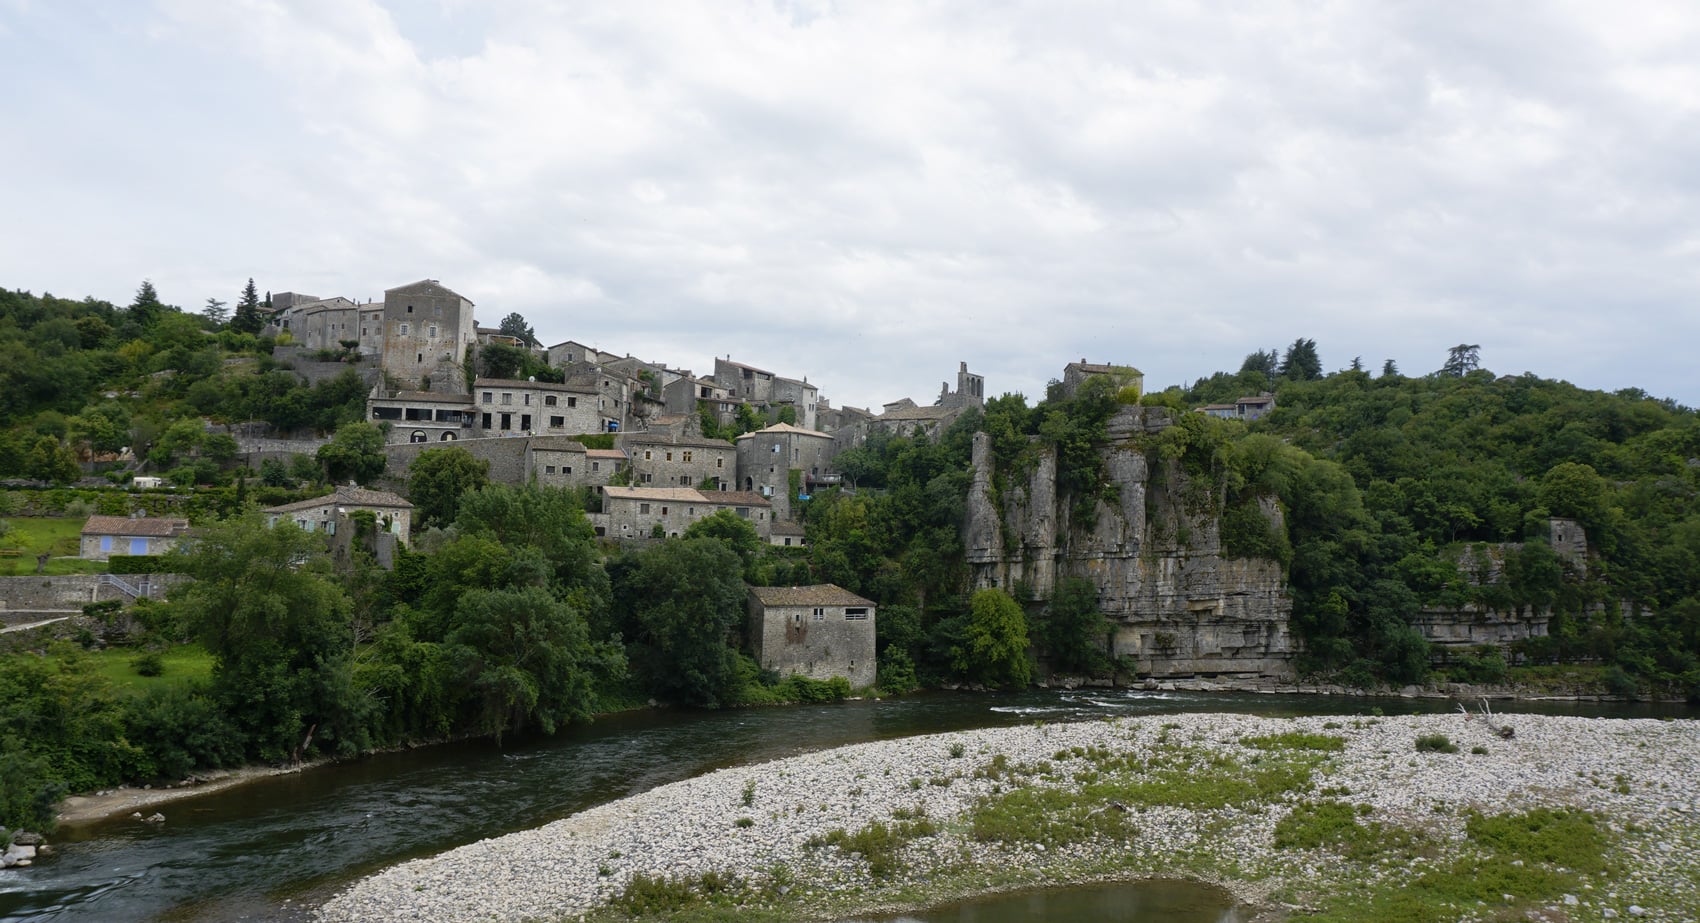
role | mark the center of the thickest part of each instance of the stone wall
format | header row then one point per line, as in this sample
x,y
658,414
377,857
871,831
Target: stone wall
x,y
23,598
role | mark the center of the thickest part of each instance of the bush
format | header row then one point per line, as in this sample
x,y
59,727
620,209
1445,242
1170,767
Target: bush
x,y
1435,743
148,664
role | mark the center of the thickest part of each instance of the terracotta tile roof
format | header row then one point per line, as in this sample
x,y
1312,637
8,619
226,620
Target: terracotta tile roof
x,y
142,525
605,453
820,594
916,413
734,498
786,527
655,494
426,287
345,496
786,428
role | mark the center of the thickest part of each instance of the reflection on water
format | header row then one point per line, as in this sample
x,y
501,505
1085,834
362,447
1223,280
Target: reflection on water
x,y
1135,902
262,851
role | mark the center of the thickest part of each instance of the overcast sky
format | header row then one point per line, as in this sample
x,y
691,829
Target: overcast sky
x,y
866,193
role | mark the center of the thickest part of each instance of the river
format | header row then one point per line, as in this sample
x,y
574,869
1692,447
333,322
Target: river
x,y
272,849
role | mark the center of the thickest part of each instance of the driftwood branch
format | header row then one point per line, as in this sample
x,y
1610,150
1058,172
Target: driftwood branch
x,y
1503,731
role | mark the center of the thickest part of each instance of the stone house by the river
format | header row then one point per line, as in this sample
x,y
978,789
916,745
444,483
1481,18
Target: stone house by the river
x,y
819,631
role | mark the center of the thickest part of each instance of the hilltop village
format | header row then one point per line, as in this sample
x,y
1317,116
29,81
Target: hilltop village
x,y
661,471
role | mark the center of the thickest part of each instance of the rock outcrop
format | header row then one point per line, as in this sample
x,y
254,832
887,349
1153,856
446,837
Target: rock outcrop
x,y
1179,606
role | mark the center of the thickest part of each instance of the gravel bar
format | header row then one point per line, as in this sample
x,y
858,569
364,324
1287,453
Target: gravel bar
x,y
1642,776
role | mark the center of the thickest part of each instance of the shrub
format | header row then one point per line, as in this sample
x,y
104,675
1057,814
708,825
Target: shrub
x,y
148,664
1435,743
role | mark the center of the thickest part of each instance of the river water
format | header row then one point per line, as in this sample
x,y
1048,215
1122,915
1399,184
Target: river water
x,y
273,849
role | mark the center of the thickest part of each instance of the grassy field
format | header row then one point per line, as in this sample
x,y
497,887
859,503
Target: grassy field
x,y
59,537
182,665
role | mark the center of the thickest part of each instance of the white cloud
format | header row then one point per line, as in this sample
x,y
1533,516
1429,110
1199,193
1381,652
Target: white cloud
x,y
867,193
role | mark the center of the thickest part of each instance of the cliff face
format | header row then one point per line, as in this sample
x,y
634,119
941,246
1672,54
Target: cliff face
x,y
1180,608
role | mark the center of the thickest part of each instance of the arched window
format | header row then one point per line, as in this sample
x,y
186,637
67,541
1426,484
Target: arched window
x,y
418,436
448,437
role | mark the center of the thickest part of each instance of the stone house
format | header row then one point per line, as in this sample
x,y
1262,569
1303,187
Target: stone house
x,y
753,385
603,465
323,323
686,394
802,397
507,407
422,416
905,418
426,332
820,632
634,512
329,513
572,352
615,395
767,457
680,460
1251,408
104,536
787,534
1075,374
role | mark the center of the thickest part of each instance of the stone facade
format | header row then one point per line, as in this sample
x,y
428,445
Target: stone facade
x,y
422,416
630,513
572,352
1075,374
426,333
767,457
820,632
519,460
330,513
507,407
682,461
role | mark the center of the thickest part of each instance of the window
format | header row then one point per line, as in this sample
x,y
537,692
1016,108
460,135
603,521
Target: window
x,y
643,508
410,311
486,422
720,463
596,466
566,469
743,512
548,469
664,511
549,400
507,397
572,402
488,396
776,449
507,421
557,422
856,614
527,400
432,330
525,422
106,543
404,330
820,614
788,541
669,456
646,455
687,456
648,478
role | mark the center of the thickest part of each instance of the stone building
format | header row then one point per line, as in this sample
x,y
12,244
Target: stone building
x,y
557,461
422,416
682,460
104,536
1075,374
687,394
787,534
331,512
325,323
634,512
508,407
767,457
572,352
905,418
426,331
820,632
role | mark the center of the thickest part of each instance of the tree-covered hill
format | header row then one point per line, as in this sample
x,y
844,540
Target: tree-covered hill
x,y
84,378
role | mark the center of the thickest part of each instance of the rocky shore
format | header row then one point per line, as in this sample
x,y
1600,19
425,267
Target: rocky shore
x,y
898,824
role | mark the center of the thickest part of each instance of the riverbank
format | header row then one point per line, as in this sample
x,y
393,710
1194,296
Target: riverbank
x,y
91,807
1361,816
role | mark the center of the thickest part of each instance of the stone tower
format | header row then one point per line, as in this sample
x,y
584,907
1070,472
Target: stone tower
x,y
427,331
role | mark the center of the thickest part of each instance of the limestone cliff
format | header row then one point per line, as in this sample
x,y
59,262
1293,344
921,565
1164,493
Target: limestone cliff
x,y
1180,607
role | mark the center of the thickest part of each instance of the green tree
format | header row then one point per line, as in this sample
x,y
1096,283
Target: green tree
x,y
514,325
993,647
1074,631
438,478
525,658
549,519
1462,360
247,318
679,603
732,529
1301,361
268,606
1389,369
216,311
355,452
146,308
